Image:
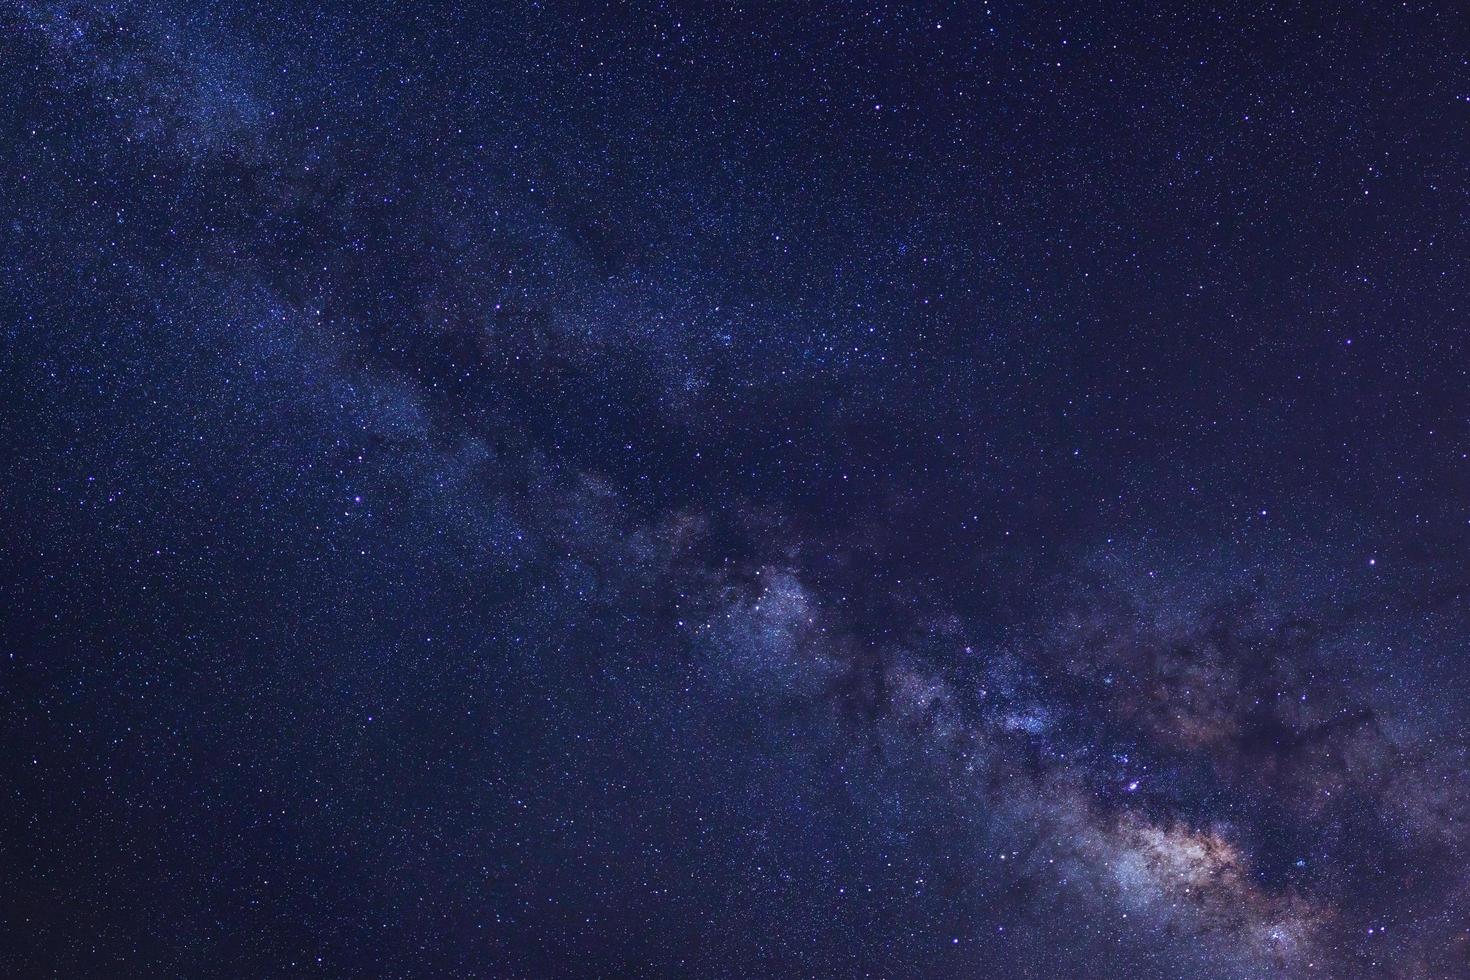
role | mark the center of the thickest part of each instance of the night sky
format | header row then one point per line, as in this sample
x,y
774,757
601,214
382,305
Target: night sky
x,y
833,489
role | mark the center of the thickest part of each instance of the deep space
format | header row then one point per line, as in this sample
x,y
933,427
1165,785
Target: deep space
x,y
735,489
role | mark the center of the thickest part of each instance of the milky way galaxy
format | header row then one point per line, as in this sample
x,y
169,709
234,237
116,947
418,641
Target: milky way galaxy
x,y
796,490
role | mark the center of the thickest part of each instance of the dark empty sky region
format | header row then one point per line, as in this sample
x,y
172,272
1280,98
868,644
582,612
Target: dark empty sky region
x,y
833,489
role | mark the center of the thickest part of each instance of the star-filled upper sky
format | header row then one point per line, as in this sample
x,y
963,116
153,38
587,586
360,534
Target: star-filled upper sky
x,y
834,489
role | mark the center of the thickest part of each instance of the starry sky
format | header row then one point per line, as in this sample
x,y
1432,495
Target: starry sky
x,y
832,489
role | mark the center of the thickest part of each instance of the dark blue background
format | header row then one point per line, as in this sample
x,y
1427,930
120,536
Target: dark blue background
x,y
833,489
